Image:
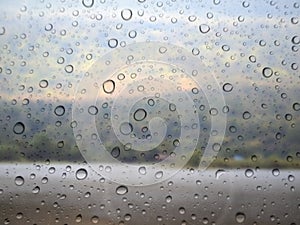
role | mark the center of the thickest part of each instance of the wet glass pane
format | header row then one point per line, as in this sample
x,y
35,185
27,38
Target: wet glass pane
x,y
149,112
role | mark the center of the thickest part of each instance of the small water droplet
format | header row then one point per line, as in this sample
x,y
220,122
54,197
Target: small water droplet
x,y
108,86
140,114
227,87
113,43
267,72
121,190
48,27
142,170
168,199
36,190
181,210
88,3
59,110
275,172
78,218
69,68
126,128
204,28
240,217
43,83
219,173
115,152
159,174
296,106
19,128
95,219
126,14
246,115
249,173
93,110
81,174
296,40
19,180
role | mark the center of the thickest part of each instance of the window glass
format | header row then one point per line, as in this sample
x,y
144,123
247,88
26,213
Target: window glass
x,y
149,112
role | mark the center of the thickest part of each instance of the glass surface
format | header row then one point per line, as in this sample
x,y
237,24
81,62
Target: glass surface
x,y
149,112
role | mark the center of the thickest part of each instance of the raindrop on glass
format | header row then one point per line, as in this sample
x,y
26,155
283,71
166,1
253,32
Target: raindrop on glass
x,y
19,128
240,217
249,173
108,86
121,190
267,72
19,181
115,152
88,3
204,28
227,87
43,83
93,110
113,43
81,174
59,110
139,114
126,14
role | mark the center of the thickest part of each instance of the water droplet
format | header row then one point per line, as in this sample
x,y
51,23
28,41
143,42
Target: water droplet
x,y
225,48
44,180
108,86
43,83
151,102
19,180
126,14
267,72
78,218
48,27
232,129
19,128
51,170
172,107
249,173
69,68
296,40
219,173
291,178
132,34
162,50
126,128
296,106
88,3
216,147
121,190
181,210
246,115
95,219
240,217
19,215
93,110
36,190
81,174
139,114
275,172
168,199
159,174
204,28
127,217
252,58
113,43
59,110
142,170
227,87
115,152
